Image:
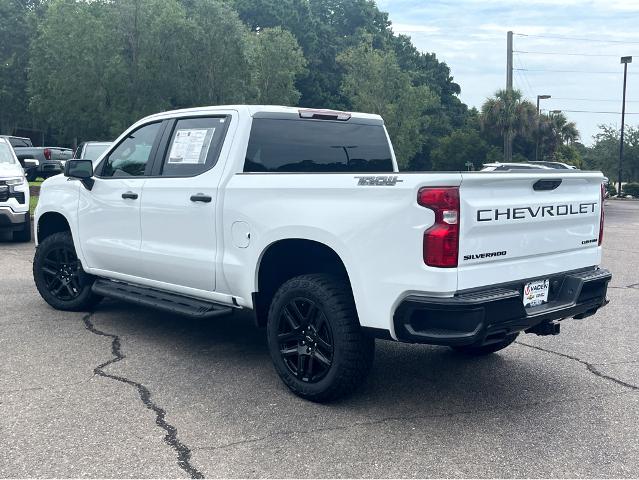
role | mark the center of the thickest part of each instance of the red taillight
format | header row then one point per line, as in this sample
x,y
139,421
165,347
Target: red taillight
x,y
601,217
47,154
441,241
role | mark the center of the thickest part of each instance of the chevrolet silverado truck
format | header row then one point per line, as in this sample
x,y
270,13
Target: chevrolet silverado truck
x,y
50,159
302,218
14,195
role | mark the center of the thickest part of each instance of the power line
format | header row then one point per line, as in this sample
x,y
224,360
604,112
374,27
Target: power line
x,y
579,39
594,111
616,100
572,54
568,71
522,74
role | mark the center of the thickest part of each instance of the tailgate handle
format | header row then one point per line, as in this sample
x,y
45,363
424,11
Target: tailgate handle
x,y
546,184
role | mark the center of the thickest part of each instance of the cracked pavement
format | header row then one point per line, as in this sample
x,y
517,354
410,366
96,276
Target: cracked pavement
x,y
129,392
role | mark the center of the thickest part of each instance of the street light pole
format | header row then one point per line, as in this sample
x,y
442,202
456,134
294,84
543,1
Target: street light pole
x,y
625,61
539,97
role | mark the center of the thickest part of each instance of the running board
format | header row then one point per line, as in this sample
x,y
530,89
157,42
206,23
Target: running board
x,y
168,302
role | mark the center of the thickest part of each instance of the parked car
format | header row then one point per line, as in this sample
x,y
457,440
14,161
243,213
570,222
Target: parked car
x,y
508,166
303,218
14,195
91,150
51,159
556,165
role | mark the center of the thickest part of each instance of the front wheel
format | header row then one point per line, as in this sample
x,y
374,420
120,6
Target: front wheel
x,y
59,276
316,343
480,350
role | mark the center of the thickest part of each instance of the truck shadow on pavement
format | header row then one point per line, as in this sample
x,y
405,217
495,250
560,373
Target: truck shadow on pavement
x,y
226,359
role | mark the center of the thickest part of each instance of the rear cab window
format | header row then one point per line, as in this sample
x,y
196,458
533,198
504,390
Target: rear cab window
x,y
287,143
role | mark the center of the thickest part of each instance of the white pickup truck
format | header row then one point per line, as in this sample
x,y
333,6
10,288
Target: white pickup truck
x,y
302,217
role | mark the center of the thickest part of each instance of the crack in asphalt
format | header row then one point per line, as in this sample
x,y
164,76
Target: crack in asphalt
x,y
590,366
403,418
183,451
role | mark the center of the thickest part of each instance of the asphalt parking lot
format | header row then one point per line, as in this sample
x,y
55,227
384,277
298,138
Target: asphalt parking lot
x,y
128,392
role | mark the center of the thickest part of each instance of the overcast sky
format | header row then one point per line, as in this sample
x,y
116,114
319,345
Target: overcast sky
x,y
470,36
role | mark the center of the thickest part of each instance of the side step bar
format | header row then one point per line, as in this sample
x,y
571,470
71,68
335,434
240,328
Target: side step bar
x,y
160,300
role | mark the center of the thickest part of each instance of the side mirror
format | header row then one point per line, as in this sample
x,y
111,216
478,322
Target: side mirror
x,y
29,163
80,169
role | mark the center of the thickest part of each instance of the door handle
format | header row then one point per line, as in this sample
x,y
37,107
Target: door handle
x,y
130,195
200,197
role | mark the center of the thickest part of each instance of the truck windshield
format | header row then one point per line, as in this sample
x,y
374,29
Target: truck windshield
x,y
6,155
288,145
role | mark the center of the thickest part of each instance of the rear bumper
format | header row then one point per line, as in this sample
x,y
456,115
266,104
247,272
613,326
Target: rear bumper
x,y
50,167
485,315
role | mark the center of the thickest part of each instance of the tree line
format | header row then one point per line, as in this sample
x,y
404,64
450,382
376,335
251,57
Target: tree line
x,y
87,69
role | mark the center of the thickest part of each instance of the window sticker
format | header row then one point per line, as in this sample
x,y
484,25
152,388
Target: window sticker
x,y
191,146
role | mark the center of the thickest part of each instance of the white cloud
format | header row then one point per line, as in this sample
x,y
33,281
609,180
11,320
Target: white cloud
x,y
470,36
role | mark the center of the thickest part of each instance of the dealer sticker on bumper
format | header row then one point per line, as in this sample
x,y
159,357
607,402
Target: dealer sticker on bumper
x,y
536,293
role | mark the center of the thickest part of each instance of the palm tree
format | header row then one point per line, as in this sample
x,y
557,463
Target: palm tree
x,y
565,131
508,115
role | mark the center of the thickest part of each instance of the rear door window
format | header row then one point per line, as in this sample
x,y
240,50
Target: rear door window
x,y
194,146
324,146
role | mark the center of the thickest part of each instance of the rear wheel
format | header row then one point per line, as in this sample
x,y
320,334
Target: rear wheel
x,y
59,276
316,343
23,235
476,350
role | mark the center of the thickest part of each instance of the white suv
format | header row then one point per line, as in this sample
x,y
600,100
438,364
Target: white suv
x,y
14,195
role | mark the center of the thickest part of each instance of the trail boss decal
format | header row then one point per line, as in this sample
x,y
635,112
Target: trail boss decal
x,y
541,211
380,181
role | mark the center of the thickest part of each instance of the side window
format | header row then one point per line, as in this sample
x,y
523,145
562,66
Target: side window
x,y
194,146
131,156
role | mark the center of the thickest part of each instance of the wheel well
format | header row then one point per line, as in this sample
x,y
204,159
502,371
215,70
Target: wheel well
x,y
286,259
51,223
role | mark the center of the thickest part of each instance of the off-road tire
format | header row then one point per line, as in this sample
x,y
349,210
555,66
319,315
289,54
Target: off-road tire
x,y
476,350
352,350
85,299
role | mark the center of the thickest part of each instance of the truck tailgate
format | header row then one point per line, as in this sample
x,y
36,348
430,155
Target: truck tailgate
x,y
517,226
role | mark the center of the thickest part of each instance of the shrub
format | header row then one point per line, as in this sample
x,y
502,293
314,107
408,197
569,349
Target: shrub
x,y
631,189
612,191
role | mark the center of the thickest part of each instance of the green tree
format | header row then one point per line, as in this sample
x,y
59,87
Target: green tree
x,y
509,115
276,63
217,71
15,30
373,82
604,153
459,150
75,75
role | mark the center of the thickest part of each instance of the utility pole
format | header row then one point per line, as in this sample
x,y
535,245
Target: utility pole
x,y
508,141
539,97
509,62
625,61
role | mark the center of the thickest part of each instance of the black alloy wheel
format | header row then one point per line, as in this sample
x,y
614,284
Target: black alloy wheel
x,y
62,271
305,340
59,276
315,340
